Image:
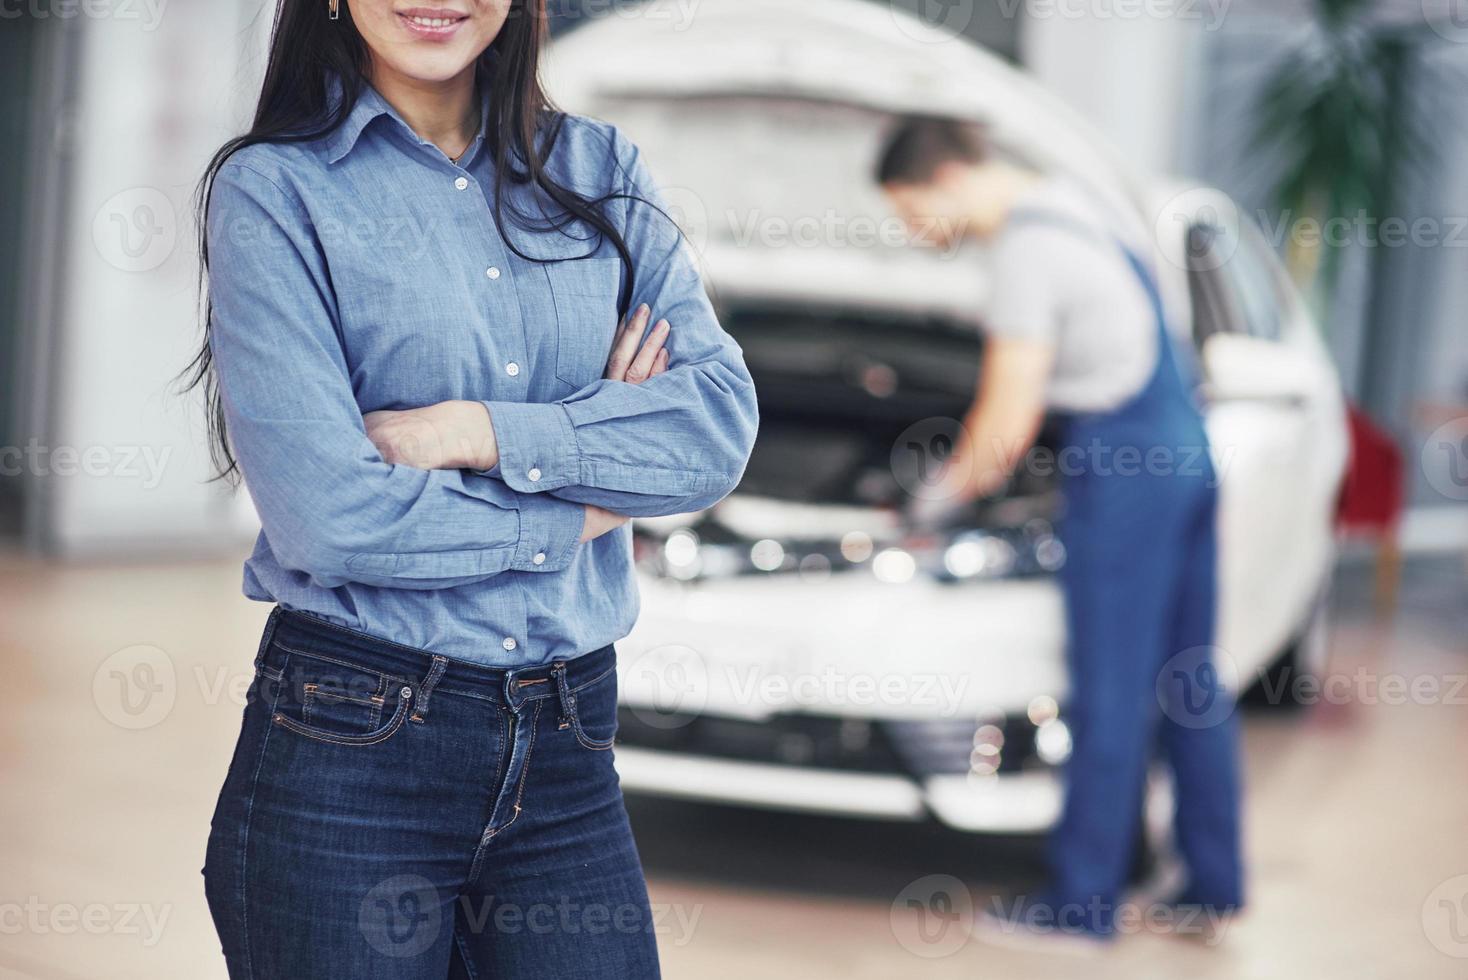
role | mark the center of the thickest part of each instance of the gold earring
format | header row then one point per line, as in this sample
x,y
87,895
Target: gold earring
x,y
334,7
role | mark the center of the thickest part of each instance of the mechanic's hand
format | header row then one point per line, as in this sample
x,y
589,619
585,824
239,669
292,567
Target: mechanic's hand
x,y
944,501
628,363
599,522
935,513
446,436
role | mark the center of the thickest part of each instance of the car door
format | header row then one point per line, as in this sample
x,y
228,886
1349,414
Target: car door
x,y
1275,419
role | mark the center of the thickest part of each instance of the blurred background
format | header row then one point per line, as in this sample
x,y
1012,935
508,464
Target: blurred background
x,y
1299,167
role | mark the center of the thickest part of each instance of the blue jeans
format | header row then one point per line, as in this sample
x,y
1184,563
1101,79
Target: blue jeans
x,y
391,813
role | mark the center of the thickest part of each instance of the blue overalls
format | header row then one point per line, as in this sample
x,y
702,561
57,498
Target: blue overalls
x,y
1140,590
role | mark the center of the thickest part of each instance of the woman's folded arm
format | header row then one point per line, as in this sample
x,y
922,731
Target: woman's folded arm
x,y
330,505
676,442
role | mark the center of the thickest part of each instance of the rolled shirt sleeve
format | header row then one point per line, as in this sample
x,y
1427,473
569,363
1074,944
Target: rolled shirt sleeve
x,y
1028,300
330,505
675,443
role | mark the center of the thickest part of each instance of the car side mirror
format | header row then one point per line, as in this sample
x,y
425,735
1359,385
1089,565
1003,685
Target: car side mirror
x,y
1241,368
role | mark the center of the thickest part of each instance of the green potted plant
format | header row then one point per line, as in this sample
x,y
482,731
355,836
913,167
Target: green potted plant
x,y
1329,132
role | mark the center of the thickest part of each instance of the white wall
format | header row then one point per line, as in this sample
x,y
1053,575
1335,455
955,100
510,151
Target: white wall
x,y
1127,74
156,95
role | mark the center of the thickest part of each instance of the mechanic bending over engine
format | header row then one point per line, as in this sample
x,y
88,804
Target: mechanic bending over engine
x,y
1075,325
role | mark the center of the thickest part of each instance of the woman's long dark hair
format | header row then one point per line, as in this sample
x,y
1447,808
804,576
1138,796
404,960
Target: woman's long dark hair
x,y
306,48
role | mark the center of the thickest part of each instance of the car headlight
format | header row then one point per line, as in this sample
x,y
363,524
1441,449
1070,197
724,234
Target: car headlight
x,y
1052,741
894,565
686,554
976,553
681,554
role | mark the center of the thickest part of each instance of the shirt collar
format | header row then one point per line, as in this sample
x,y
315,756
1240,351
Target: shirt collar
x,y
369,106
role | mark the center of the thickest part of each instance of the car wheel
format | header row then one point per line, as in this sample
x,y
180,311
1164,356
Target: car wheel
x,y
1288,683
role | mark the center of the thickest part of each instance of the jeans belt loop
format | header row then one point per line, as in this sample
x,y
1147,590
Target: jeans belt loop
x,y
266,636
425,690
563,690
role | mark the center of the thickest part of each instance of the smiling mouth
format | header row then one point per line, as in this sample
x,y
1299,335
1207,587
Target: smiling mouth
x,y
430,23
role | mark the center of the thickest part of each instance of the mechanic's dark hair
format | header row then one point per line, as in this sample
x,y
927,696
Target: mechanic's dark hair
x,y
919,145
307,47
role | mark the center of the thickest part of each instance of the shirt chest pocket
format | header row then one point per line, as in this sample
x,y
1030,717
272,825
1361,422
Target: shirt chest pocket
x,y
585,295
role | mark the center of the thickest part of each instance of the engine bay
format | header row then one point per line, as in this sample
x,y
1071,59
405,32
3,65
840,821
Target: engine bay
x,y
857,411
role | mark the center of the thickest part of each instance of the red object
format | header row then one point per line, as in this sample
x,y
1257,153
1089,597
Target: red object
x,y
1372,493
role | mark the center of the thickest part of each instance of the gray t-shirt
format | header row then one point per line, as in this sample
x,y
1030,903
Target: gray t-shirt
x,y
1070,284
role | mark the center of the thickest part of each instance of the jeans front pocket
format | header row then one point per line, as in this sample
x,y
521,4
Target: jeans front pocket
x,y
585,293
590,710
331,700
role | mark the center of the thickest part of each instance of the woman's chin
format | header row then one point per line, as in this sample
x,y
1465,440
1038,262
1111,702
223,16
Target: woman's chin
x,y
428,64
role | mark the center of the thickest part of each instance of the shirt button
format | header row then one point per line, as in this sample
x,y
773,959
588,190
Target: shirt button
x,y
509,643
492,272
512,369
539,558
534,474
462,183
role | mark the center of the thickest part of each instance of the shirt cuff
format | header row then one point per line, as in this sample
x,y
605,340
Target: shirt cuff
x,y
550,531
537,446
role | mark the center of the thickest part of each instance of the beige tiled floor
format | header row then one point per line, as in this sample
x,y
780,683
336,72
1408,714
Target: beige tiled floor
x,y
1357,812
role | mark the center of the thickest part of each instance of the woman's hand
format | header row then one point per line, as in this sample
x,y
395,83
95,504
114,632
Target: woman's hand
x,y
447,436
456,435
634,366
599,522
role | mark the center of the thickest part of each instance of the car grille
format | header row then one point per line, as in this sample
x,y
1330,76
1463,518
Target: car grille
x,y
911,748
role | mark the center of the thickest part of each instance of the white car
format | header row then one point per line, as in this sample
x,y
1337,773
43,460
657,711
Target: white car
x,y
798,648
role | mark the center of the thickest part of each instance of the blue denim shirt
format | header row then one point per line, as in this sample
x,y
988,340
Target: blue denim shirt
x,y
364,271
